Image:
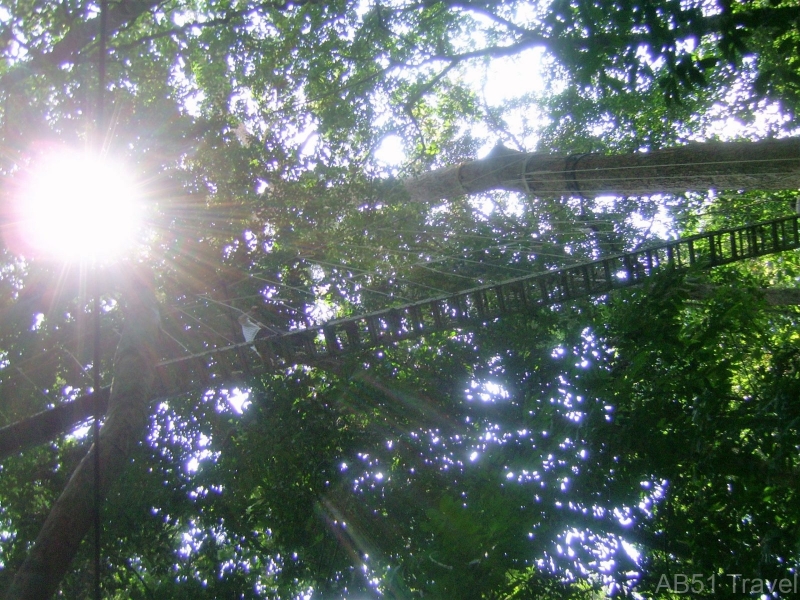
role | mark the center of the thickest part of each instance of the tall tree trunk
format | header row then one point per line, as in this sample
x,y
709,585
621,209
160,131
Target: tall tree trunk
x,y
126,420
768,165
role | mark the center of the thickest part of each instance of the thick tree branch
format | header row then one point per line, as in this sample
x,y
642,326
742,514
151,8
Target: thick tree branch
x,y
129,408
78,38
46,425
226,19
772,296
767,165
121,15
489,52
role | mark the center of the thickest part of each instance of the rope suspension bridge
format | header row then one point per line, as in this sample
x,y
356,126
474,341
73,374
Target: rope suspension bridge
x,y
480,304
230,365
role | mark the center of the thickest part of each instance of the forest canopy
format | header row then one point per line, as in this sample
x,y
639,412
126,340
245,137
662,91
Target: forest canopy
x,y
603,446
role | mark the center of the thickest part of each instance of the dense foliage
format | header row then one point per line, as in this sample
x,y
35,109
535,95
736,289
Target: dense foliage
x,y
582,450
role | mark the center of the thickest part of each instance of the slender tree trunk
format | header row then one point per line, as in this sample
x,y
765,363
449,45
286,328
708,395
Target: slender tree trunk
x,y
128,412
768,165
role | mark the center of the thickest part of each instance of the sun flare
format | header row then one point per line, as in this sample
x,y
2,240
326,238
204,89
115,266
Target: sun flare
x,y
79,206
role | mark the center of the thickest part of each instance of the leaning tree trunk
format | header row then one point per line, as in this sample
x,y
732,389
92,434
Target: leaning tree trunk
x,y
768,165
128,412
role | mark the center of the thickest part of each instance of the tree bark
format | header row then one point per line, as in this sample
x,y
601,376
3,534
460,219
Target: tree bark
x,y
48,424
767,165
128,412
782,296
772,296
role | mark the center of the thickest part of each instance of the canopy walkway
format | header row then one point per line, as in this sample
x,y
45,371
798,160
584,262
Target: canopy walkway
x,y
481,304
230,365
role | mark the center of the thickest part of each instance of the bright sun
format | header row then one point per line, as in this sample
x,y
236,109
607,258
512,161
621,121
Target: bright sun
x,y
79,206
